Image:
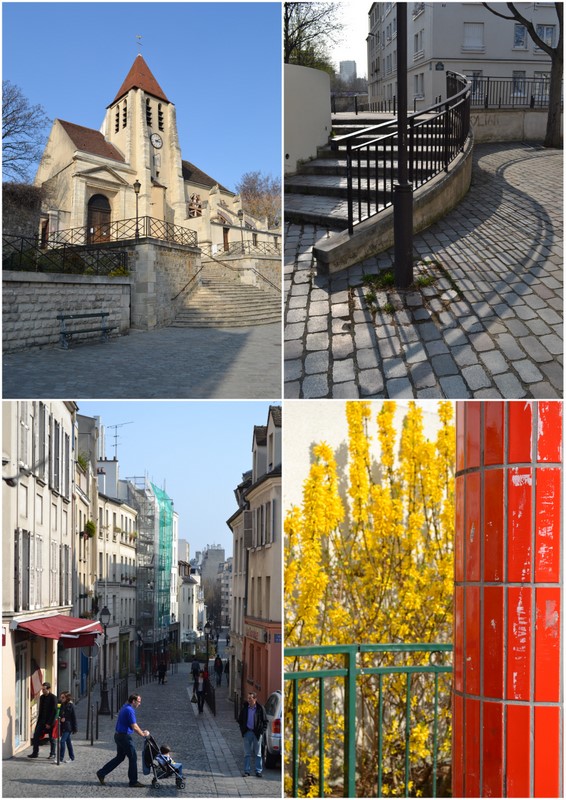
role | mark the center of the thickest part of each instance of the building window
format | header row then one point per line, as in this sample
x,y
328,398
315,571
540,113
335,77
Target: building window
x,y
418,51
519,37
125,114
160,117
419,85
117,123
518,83
148,113
546,33
541,87
475,79
473,37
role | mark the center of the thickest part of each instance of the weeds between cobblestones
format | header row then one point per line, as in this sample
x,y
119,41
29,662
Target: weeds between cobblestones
x,y
488,326
210,749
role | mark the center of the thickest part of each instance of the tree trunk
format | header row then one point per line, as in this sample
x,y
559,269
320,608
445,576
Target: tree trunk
x,y
553,136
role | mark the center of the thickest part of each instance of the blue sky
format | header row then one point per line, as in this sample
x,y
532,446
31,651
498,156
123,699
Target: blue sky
x,y
219,63
196,450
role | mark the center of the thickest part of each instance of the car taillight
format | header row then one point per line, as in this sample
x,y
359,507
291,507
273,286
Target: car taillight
x,y
276,726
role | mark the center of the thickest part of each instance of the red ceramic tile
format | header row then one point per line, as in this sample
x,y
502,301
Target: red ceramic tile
x,y
493,637
473,532
518,643
494,433
460,529
493,526
520,415
473,640
519,525
459,638
547,752
473,433
472,751
549,433
547,645
517,735
457,746
547,521
460,436
492,755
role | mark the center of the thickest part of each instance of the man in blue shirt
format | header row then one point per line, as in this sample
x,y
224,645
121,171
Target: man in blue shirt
x,y
252,722
125,726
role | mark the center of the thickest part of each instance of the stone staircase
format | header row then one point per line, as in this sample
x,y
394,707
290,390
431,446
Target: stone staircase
x,y
317,194
222,303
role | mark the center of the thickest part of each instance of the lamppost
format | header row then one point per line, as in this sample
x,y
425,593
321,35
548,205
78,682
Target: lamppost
x,y
403,190
207,630
137,187
104,620
241,218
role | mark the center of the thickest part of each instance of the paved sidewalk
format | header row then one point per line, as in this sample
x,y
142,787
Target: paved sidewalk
x,y
211,363
487,325
210,749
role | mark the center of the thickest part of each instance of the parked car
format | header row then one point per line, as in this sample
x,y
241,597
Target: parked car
x,y
272,741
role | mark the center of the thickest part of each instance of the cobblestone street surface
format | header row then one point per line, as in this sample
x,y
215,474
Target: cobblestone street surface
x,y
209,747
180,363
484,321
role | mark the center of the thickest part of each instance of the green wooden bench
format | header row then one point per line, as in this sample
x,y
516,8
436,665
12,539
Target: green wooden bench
x,y
66,333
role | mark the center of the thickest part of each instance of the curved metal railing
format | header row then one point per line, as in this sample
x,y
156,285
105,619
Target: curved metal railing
x,y
435,136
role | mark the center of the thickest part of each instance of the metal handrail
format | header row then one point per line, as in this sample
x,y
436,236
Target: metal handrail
x,y
350,672
237,269
436,135
25,254
118,230
245,248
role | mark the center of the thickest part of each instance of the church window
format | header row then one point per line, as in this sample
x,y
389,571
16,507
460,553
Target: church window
x,y
160,117
148,112
117,126
125,114
195,206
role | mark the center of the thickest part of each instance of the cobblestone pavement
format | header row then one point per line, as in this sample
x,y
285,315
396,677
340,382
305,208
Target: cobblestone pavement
x,y
486,319
209,747
235,363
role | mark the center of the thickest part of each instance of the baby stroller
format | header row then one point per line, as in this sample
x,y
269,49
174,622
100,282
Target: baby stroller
x,y
160,770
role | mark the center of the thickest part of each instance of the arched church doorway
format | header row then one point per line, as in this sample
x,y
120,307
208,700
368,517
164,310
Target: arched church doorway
x,y
98,220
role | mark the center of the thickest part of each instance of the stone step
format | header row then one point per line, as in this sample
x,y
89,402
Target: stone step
x,y
220,303
338,166
323,210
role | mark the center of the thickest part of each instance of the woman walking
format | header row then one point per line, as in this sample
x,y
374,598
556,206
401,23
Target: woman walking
x,y
68,725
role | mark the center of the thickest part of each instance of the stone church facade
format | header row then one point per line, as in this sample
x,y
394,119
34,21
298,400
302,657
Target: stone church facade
x,y
91,176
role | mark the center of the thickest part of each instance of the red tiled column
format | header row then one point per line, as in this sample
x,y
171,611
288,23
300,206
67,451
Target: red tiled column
x,y
508,693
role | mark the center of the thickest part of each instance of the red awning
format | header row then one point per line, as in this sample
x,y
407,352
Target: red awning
x,y
70,631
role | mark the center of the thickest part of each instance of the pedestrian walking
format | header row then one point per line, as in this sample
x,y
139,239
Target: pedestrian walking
x,y
125,726
195,668
253,723
227,670
161,672
67,725
45,720
218,669
200,690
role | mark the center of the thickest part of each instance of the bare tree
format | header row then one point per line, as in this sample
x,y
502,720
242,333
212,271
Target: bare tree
x,y
23,133
553,137
261,196
310,29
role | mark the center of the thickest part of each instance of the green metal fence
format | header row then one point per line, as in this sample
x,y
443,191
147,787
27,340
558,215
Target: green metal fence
x,y
360,660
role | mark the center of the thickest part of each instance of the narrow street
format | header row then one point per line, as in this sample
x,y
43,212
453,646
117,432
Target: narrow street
x,y
209,747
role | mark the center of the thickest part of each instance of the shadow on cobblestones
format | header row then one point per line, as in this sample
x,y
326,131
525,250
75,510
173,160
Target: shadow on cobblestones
x,y
488,326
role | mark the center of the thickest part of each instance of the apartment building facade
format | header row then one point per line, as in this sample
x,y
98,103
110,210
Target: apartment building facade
x,y
460,37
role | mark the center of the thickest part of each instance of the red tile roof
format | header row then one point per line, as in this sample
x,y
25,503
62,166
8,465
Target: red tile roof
x,y
140,77
90,141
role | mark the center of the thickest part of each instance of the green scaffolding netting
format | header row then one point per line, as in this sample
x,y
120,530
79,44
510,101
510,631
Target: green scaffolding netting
x,y
164,555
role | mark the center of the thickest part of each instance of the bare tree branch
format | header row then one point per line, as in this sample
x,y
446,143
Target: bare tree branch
x,y
23,132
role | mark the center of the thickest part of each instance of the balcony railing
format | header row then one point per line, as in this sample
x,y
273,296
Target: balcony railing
x,y
435,137
125,229
245,248
25,254
514,92
410,696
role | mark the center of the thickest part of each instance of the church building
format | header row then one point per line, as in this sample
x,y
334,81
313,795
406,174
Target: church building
x,y
129,179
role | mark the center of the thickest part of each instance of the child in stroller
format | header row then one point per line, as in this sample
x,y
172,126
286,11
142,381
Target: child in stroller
x,y
157,760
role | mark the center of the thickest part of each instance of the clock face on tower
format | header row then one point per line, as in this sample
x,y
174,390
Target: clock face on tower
x,y
156,140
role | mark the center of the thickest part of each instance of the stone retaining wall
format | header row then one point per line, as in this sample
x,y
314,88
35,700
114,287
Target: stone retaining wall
x,y
31,302
508,124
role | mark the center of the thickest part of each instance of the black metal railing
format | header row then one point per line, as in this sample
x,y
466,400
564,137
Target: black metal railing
x,y
435,137
517,92
25,254
237,270
245,248
123,229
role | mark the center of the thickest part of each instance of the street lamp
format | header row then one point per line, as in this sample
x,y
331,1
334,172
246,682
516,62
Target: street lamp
x,y
137,187
104,620
241,218
207,629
